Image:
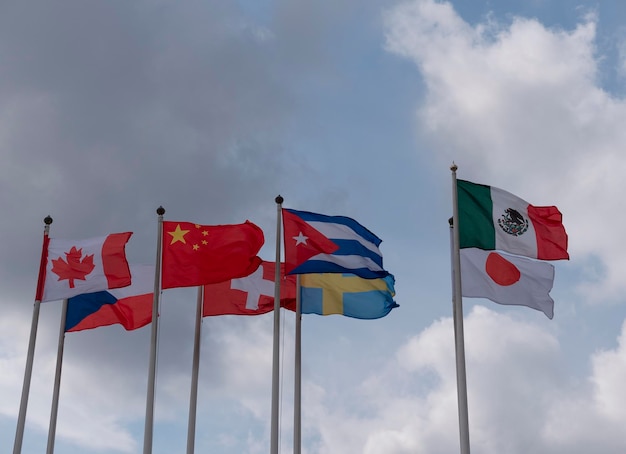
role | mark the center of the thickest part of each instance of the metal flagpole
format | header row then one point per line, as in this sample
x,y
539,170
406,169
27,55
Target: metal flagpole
x,y
149,423
57,382
28,373
297,399
193,397
461,381
276,351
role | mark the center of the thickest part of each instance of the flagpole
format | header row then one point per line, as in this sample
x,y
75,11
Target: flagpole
x,y
28,372
297,400
149,423
193,398
57,381
276,350
461,380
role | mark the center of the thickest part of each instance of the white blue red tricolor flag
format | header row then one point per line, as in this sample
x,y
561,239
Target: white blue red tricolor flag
x,y
316,243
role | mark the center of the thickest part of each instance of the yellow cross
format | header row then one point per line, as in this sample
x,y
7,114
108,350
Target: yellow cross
x,y
334,285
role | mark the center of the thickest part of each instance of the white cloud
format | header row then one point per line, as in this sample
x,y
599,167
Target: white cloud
x,y
519,106
519,398
86,390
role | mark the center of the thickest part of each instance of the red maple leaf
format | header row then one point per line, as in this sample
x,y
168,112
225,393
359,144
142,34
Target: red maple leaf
x,y
74,268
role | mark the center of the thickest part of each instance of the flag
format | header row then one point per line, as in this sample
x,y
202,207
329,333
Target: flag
x,y
196,254
507,279
316,243
130,306
250,295
490,219
85,266
347,294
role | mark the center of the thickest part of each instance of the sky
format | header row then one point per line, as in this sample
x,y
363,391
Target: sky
x,y
110,109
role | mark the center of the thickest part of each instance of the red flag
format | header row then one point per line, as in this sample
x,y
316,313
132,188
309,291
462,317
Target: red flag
x,y
196,254
250,295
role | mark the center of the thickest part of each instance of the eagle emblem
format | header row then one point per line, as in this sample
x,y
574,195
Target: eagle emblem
x,y
513,223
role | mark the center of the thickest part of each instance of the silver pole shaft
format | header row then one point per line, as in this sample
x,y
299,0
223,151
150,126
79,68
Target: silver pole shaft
x,y
21,419
149,423
28,372
297,399
57,382
276,350
193,396
461,381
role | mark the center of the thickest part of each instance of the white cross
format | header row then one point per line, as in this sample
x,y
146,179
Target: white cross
x,y
255,286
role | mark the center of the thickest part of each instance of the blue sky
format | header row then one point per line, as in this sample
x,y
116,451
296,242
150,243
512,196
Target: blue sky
x,y
355,108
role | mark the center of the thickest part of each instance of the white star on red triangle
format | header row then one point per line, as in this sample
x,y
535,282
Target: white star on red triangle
x,y
300,239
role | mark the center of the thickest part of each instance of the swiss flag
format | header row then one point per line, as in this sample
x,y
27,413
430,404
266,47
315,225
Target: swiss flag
x,y
302,241
250,295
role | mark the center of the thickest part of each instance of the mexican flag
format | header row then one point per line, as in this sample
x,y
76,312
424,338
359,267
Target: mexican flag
x,y
490,219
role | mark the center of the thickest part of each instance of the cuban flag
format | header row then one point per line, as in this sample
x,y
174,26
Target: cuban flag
x,y
129,306
316,243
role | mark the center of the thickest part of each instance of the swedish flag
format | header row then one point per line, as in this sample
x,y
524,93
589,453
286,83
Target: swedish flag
x,y
347,294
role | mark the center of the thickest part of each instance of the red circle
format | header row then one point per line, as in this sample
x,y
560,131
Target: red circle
x,y
501,270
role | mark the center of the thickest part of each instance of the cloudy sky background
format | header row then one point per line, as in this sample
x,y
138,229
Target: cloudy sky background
x,y
109,109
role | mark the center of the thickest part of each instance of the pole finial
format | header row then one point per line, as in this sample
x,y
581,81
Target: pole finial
x,y
160,211
279,200
47,220
453,167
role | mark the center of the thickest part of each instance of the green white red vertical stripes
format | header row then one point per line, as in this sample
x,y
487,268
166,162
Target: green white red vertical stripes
x,y
494,219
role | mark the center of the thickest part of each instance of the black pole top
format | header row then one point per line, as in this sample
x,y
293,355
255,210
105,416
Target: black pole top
x,y
279,200
47,220
160,211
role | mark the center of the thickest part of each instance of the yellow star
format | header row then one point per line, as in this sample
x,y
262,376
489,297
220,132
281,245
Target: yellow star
x,y
205,242
178,235
196,247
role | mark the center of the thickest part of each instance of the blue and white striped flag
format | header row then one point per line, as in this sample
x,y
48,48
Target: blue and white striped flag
x,y
316,243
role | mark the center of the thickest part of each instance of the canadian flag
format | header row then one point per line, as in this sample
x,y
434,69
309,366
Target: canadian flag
x,y
85,266
250,295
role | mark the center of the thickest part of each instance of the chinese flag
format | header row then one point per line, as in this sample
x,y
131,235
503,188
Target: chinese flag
x,y
196,254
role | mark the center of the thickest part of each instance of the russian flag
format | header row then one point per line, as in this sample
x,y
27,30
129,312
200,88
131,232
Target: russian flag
x,y
129,306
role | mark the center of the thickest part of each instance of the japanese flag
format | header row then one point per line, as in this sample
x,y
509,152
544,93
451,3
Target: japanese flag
x,y
507,279
85,266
